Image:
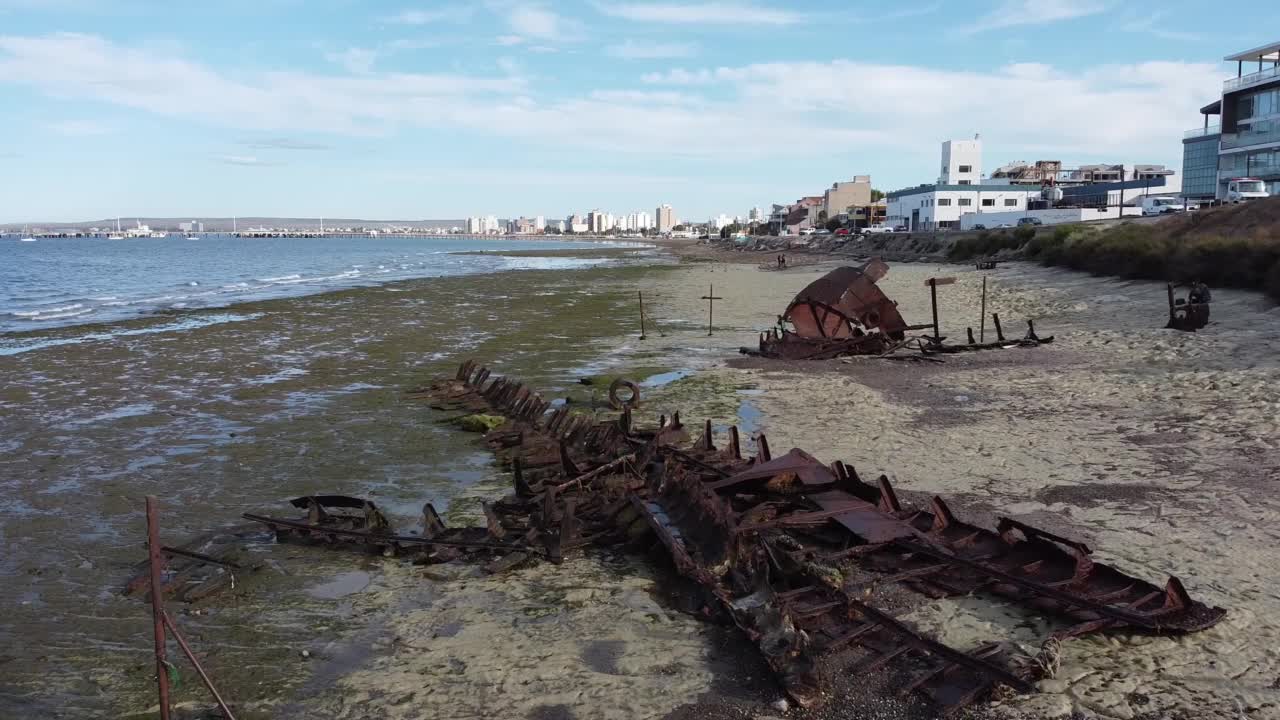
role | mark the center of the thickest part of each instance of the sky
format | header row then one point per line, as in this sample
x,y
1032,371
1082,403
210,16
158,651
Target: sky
x,y
408,110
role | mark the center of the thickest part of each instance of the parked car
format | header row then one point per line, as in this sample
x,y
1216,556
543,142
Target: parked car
x,y
1030,221
978,226
1003,225
900,228
842,231
823,231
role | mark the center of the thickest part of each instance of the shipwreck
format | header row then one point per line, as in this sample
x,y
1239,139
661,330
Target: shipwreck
x,y
795,552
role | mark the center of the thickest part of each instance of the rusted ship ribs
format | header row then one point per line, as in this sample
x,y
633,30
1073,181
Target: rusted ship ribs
x,y
793,551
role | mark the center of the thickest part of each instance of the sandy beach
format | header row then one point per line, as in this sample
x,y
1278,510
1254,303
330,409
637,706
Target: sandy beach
x,y
1157,448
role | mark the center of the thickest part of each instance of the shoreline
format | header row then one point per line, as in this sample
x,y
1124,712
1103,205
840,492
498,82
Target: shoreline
x,y
22,339
1076,436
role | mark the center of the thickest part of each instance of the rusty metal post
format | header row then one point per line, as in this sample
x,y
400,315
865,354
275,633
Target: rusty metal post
x,y
641,294
933,300
204,677
982,316
711,299
995,320
1171,304
156,557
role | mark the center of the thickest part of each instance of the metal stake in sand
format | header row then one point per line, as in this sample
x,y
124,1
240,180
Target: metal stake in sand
x,y
933,284
157,604
982,316
711,299
641,294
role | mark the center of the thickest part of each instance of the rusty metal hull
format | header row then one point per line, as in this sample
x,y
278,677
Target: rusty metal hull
x,y
795,552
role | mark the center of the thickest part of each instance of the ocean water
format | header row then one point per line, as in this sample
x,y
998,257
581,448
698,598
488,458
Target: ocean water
x,y
59,282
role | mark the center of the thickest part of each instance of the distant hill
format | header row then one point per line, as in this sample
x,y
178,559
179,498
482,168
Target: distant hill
x,y
223,224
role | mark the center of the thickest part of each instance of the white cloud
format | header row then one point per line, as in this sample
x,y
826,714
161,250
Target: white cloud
x,y
534,21
457,13
354,59
1014,13
632,50
413,44
1147,22
1132,112
245,160
643,96
701,13
80,128
86,67
283,143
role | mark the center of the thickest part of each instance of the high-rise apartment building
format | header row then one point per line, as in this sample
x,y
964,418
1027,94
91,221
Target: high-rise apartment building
x,y
664,218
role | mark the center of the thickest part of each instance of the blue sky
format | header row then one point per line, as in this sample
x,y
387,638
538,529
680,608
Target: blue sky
x,y
402,110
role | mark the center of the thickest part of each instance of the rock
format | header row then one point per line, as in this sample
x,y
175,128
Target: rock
x,y
480,422
305,653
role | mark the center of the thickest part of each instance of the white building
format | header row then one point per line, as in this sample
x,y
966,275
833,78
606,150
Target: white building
x,y
961,162
721,221
560,226
755,215
643,221
540,223
962,198
475,226
937,207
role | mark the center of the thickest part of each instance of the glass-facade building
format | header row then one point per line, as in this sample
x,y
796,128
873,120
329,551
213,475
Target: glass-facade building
x,y
1200,166
1246,143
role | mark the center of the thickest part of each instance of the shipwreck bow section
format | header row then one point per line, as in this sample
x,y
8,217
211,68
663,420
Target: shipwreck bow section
x,y
794,552
841,313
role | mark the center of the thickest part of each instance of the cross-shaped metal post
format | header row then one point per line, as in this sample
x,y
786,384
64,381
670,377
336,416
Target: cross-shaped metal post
x,y
711,299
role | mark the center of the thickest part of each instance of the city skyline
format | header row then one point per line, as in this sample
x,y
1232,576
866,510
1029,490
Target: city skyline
x,y
437,110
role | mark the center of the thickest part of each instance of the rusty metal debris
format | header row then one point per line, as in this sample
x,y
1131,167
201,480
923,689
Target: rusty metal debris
x,y
795,552
840,313
1191,313
845,313
199,568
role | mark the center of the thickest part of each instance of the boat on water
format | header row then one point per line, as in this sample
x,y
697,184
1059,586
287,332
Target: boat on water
x,y
191,237
117,235
26,235
158,234
27,239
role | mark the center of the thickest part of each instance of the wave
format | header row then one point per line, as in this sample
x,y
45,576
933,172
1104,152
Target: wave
x,y
16,346
45,312
294,276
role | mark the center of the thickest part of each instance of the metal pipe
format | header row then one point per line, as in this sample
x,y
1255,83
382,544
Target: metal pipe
x,y
982,316
933,300
186,650
156,558
641,294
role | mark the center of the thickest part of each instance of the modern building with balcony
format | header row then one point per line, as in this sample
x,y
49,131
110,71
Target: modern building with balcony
x,y
1245,142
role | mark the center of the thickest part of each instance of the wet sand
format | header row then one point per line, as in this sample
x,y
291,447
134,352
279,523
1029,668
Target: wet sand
x,y
1158,448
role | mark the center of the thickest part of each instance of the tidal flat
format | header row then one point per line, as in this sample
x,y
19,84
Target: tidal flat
x,y
1158,448
294,396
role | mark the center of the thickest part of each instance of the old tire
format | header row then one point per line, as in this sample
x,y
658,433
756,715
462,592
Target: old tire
x,y
618,403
